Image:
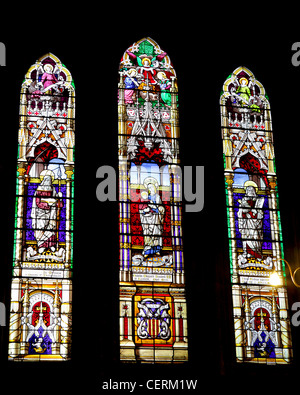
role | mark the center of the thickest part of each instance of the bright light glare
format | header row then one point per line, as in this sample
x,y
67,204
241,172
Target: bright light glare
x,y
274,279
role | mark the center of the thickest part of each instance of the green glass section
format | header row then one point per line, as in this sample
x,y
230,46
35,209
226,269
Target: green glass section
x,y
146,48
228,220
16,215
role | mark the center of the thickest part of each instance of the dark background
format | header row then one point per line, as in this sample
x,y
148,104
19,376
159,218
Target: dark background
x,y
204,52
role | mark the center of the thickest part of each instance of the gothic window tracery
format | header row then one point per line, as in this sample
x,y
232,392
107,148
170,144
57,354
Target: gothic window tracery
x,y
41,294
153,324
261,326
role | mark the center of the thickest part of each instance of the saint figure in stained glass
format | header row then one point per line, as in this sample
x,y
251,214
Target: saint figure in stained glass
x,y
152,218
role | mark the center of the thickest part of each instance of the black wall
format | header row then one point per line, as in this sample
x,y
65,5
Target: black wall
x,y
203,56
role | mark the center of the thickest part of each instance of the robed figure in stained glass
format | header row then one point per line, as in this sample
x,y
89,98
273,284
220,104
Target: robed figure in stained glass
x,y
250,219
152,218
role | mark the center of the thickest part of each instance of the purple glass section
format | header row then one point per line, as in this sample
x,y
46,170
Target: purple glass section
x,y
267,240
62,223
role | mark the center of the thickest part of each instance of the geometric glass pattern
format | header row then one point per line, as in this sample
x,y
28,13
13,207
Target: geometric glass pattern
x,y
153,317
41,290
260,309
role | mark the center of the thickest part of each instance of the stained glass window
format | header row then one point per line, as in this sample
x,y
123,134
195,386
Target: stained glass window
x,y
153,316
41,290
260,309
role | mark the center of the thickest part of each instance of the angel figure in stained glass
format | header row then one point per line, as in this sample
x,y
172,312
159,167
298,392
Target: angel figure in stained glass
x,y
243,97
147,64
152,217
48,78
131,84
165,85
48,81
45,208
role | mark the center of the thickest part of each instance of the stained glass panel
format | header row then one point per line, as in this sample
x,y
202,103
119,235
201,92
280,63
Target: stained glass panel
x,y
41,295
260,309
153,320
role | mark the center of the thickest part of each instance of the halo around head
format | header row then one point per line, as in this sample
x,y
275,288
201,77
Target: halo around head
x,y
150,180
49,66
144,60
250,184
243,79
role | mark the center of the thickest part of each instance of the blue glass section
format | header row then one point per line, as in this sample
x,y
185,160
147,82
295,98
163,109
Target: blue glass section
x,y
267,240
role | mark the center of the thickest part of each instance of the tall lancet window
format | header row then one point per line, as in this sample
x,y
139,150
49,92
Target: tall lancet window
x,y
41,290
260,309
153,325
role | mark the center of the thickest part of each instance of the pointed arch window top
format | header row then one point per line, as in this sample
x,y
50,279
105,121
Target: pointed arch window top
x,y
147,54
242,82
148,102
47,110
244,102
48,71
